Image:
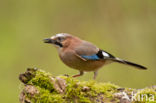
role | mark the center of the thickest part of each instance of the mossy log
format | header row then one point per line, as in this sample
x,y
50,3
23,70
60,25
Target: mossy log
x,y
42,87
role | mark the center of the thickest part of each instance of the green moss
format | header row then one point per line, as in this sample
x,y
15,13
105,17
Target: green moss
x,y
78,92
75,89
44,96
105,88
42,80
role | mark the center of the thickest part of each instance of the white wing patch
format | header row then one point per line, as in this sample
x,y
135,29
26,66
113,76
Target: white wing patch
x,y
105,54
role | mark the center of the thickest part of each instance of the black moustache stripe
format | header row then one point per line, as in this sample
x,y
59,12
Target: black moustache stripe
x,y
59,44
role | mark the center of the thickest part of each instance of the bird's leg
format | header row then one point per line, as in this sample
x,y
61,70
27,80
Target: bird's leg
x,y
95,74
80,74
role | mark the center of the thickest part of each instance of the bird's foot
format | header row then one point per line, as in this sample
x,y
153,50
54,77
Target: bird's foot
x,y
77,75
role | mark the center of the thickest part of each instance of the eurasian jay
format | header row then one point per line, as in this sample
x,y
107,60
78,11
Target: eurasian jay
x,y
83,55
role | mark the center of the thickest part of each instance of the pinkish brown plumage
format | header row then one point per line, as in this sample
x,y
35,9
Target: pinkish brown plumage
x,y
82,55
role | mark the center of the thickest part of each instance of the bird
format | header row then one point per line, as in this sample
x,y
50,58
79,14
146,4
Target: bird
x,y
83,55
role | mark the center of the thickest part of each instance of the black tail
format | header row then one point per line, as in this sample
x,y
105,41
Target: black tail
x,y
129,63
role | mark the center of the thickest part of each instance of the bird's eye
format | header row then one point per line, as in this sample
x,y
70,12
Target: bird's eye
x,y
60,39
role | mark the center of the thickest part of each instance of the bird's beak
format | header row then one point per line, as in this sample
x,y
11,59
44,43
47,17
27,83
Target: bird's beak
x,y
49,40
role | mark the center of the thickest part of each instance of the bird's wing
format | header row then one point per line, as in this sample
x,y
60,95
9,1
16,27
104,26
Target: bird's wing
x,y
80,57
87,51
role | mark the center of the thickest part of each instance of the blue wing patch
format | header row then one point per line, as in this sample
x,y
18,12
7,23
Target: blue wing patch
x,y
91,57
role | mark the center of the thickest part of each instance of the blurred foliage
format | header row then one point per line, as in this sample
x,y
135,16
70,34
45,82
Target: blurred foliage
x,y
125,28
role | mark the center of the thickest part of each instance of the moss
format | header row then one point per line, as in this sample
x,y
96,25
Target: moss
x,y
106,88
75,91
44,96
42,80
47,93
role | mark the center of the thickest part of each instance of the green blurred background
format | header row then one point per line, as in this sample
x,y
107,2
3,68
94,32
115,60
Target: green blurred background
x,y
125,28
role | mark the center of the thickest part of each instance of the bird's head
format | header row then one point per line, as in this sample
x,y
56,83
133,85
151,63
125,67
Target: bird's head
x,y
59,40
